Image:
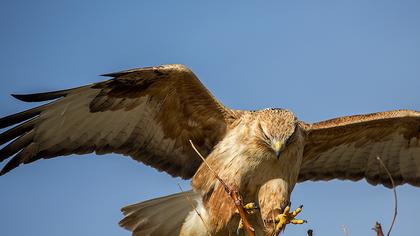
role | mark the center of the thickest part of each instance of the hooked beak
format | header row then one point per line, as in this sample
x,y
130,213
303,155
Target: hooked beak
x,y
278,148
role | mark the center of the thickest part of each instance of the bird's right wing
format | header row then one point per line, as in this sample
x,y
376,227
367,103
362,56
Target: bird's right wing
x,y
149,114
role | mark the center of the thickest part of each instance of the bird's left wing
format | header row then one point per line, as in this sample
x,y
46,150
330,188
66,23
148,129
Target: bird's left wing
x,y
348,147
147,113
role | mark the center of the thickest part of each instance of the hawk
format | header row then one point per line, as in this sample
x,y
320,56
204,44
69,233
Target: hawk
x,y
151,114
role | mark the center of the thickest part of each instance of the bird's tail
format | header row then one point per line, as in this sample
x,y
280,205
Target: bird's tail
x,y
160,216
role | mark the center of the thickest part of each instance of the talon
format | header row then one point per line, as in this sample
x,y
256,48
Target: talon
x,y
298,222
297,211
288,217
250,207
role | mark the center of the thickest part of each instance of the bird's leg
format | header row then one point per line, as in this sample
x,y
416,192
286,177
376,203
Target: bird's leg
x,y
250,209
288,217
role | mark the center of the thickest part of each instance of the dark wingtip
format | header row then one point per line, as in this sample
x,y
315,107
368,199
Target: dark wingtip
x,y
125,72
110,75
3,172
14,132
21,116
117,74
21,97
10,166
40,97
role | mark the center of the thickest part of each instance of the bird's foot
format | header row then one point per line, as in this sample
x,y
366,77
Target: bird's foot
x,y
288,217
250,209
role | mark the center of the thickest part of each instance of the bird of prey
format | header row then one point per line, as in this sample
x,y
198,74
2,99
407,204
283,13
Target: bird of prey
x,y
152,113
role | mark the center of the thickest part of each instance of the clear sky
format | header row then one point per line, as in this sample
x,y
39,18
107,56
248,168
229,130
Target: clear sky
x,y
321,59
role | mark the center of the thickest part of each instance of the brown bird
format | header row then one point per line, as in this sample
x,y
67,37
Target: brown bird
x,y
150,114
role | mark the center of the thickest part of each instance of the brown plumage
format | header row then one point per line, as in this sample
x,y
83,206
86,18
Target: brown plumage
x,y
150,114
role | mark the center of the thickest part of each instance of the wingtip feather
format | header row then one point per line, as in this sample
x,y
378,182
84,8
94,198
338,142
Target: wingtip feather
x,y
109,75
40,97
21,97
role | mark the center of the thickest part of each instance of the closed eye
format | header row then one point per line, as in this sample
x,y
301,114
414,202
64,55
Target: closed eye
x,y
263,133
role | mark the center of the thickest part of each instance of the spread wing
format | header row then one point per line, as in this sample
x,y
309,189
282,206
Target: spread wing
x,y
347,148
148,114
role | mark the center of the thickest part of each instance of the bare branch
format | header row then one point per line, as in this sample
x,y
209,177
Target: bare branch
x,y
234,194
395,196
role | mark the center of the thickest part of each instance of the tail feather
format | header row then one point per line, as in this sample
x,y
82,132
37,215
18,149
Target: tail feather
x,y
160,216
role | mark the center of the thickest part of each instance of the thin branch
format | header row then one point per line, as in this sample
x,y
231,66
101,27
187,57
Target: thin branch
x,y
195,209
395,196
234,194
208,166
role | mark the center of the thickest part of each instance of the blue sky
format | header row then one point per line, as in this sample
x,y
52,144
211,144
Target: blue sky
x,y
321,59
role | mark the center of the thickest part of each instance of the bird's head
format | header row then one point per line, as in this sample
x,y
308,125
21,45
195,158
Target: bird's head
x,y
276,129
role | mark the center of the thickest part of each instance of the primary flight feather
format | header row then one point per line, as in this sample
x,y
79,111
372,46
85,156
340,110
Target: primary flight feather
x,y
151,113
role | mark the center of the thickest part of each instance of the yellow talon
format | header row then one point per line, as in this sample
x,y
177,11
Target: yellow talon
x,y
297,211
288,217
297,222
250,207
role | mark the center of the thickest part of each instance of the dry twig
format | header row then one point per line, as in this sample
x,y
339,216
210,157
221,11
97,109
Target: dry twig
x,y
234,194
395,199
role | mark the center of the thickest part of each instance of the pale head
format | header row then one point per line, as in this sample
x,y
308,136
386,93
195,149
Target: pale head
x,y
275,129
